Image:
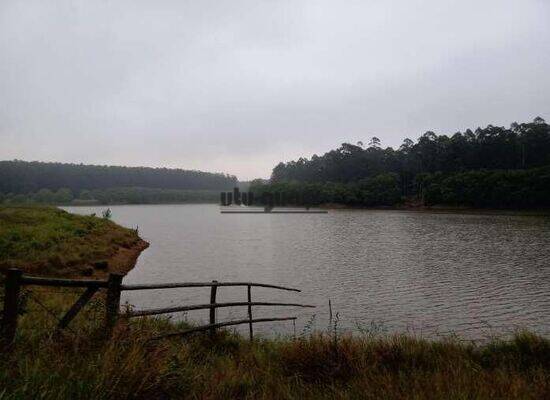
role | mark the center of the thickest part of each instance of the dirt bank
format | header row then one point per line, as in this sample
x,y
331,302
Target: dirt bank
x,y
125,259
46,241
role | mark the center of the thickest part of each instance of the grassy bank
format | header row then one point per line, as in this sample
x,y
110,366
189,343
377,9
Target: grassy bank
x,y
82,363
49,241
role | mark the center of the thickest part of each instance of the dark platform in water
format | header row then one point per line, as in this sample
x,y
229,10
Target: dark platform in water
x,y
259,210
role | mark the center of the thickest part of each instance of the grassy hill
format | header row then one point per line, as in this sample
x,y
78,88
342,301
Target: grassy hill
x,y
49,241
23,182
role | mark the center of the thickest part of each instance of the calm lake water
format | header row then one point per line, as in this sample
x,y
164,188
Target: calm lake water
x,y
431,274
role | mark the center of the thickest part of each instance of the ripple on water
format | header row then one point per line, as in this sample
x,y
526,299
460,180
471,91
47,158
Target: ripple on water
x,y
475,275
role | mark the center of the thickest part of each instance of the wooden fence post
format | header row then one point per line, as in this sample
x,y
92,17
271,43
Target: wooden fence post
x,y
113,300
213,291
75,309
250,330
11,307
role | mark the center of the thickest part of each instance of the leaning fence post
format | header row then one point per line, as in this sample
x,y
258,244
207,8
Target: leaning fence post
x,y
213,291
113,300
11,303
250,331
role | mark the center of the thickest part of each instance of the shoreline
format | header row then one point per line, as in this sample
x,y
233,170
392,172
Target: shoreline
x,y
441,209
335,207
125,259
49,241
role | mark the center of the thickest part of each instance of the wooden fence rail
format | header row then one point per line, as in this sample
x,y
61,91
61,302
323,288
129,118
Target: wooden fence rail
x,y
36,281
213,305
203,284
15,280
169,310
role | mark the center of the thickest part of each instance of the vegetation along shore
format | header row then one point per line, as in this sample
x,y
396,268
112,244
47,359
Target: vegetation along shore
x,y
492,167
81,363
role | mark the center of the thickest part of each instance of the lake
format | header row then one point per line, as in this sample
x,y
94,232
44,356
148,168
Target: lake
x,y
431,274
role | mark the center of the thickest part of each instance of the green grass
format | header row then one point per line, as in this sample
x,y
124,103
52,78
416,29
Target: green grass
x,y
50,241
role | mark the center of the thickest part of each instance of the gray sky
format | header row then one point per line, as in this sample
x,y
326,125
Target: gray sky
x,y
237,86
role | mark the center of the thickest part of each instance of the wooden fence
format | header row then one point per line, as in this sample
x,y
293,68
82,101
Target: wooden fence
x,y
15,280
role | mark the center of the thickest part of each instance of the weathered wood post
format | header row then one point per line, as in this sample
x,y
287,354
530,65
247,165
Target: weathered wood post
x,y
244,198
229,198
236,196
223,200
113,300
213,290
250,329
12,289
75,309
250,198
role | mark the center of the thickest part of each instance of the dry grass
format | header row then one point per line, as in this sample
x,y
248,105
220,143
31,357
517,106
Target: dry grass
x,y
83,365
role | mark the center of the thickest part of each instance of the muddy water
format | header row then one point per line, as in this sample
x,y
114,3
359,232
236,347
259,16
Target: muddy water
x,y
431,274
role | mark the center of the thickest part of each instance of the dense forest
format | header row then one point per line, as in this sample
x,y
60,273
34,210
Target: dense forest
x,y
489,167
56,183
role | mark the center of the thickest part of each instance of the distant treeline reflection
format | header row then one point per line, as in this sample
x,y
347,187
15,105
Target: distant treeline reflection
x,y
491,167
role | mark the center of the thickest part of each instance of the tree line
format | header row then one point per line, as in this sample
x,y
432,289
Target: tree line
x,y
122,195
57,183
488,167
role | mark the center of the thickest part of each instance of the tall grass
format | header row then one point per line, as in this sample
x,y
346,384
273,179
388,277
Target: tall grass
x,y
83,364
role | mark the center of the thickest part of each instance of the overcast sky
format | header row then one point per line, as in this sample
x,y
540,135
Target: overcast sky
x,y
237,86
